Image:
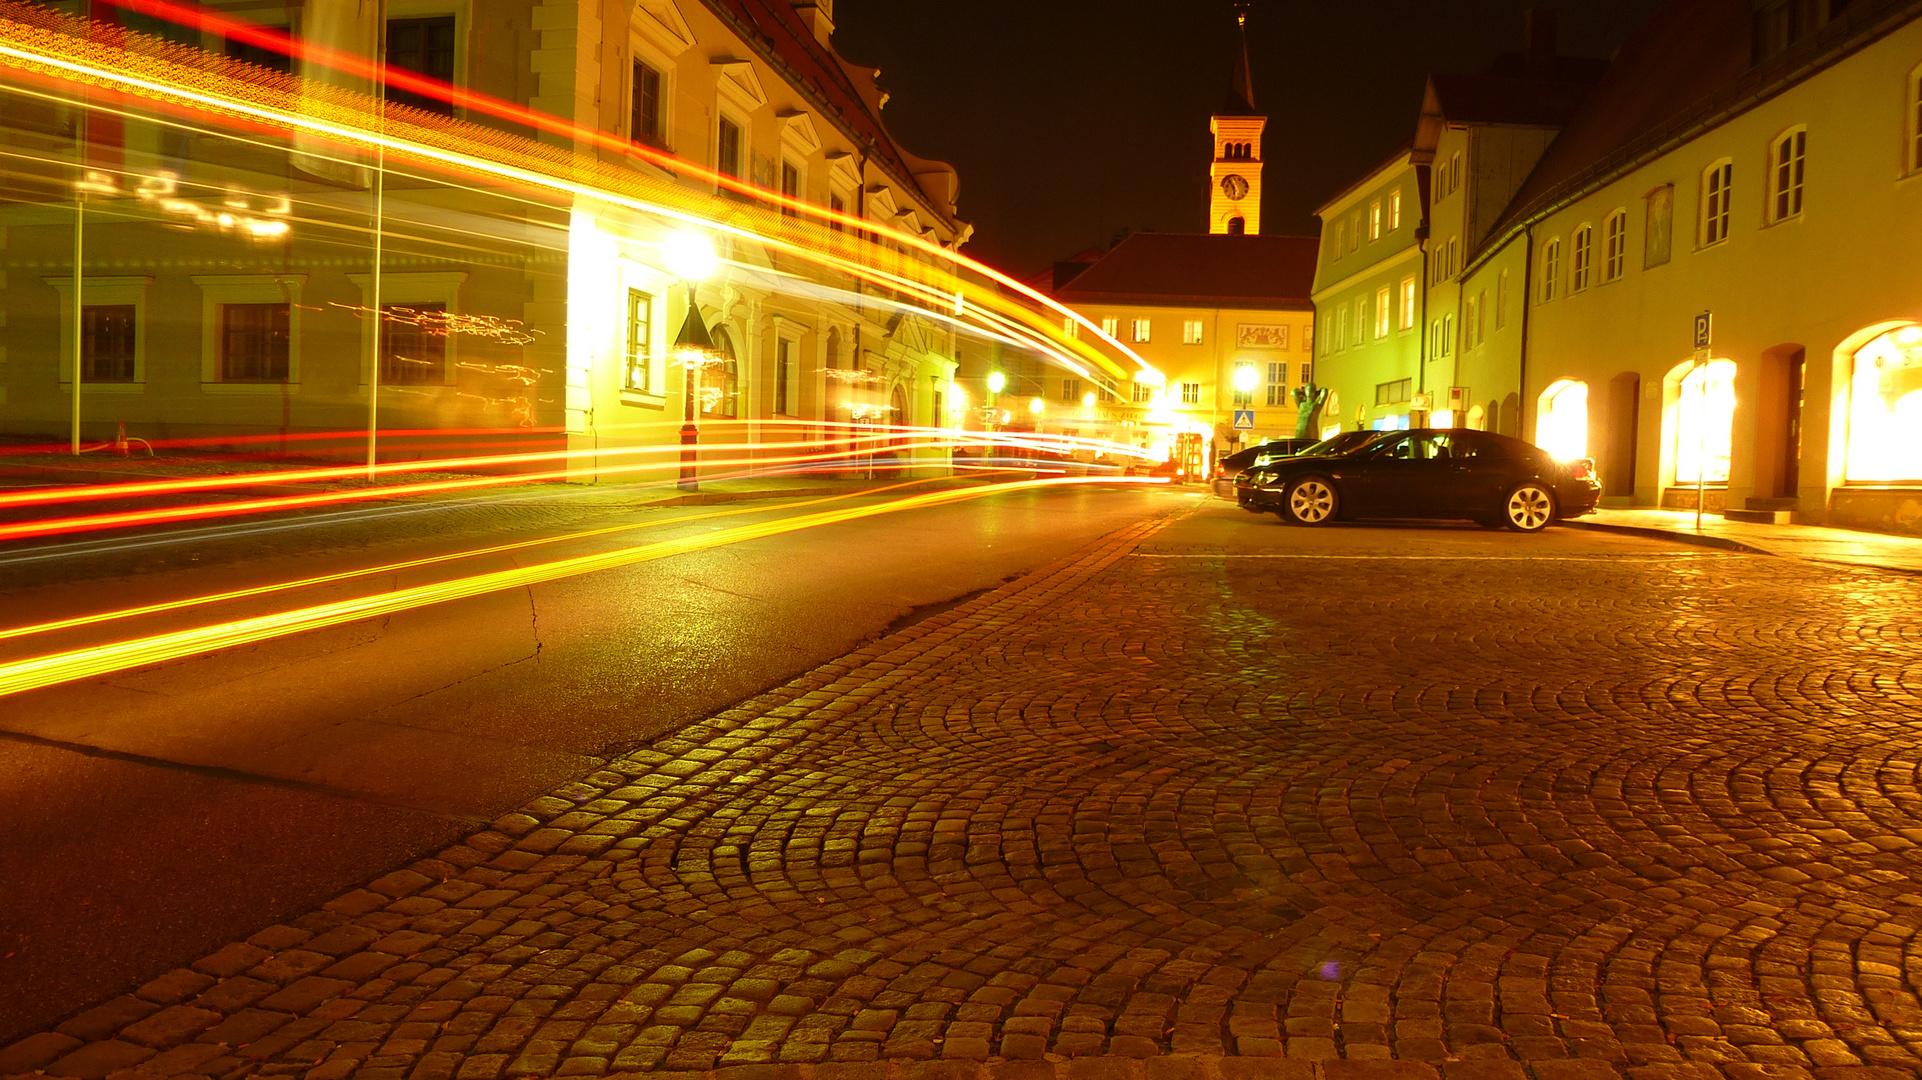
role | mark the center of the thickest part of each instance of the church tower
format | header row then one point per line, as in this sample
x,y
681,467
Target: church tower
x,y
1234,205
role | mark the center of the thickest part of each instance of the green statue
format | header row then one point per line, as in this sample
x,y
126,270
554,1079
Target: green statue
x,y
1308,401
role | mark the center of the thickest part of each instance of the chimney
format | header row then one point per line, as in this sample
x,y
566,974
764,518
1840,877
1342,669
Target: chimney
x,y
1539,27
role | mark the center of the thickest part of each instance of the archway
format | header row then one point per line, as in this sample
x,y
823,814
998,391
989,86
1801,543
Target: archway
x,y
1511,416
1885,409
1704,418
1624,417
1477,418
1561,419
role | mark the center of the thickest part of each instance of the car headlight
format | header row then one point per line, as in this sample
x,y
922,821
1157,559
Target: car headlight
x,y
1265,477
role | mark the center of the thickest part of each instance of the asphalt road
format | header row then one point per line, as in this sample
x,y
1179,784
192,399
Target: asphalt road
x,y
155,814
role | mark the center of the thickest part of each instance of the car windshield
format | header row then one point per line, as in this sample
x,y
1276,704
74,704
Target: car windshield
x,y
1343,443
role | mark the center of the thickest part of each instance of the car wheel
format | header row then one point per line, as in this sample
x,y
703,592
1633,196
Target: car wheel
x,y
1311,500
1529,508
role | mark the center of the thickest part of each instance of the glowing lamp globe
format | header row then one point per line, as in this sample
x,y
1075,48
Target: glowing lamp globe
x,y
689,255
997,382
1246,378
1087,400
1036,405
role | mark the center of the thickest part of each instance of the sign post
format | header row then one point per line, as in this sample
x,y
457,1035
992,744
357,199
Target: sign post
x,y
1704,335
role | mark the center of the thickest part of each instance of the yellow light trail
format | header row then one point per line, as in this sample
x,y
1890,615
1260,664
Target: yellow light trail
x,y
340,115
163,606
20,676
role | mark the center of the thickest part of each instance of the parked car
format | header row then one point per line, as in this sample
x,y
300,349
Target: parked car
x,y
1248,482
1440,473
1241,460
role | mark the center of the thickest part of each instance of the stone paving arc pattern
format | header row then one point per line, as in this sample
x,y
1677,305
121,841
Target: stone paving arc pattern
x,y
1088,826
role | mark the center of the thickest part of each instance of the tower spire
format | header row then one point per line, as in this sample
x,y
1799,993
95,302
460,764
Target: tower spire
x,y
1241,85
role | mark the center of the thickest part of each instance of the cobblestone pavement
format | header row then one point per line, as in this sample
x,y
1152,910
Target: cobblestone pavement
x,y
1214,799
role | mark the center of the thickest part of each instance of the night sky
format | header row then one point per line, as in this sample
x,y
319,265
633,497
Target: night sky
x,y
1071,120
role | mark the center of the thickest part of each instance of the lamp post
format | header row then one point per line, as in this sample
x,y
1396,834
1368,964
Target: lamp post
x,y
690,255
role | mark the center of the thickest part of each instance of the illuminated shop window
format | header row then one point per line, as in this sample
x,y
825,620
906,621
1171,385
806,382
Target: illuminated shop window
x,y
1885,409
1704,418
1561,425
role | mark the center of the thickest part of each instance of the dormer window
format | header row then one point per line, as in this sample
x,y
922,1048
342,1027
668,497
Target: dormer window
x,y
1780,25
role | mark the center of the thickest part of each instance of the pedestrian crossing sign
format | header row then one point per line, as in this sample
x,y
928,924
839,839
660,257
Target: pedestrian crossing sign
x,y
1244,419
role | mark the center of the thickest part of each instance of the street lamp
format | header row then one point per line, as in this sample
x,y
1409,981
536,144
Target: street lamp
x,y
1036,405
690,256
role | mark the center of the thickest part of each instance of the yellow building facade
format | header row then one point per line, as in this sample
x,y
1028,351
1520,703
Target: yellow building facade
x,y
1787,227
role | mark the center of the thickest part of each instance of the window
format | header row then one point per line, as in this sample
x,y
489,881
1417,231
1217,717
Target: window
x,y
1144,394
720,384
1454,171
1277,382
787,383
840,206
1394,393
1354,233
1434,338
1779,25
727,148
1307,343
1071,389
640,347
1501,300
1070,328
258,55
1479,317
1407,302
645,124
1551,269
1915,119
1307,374
790,187
1614,245
1374,220
1191,332
107,343
1341,239
413,344
424,47
254,340
1717,186
1237,226
1138,329
1111,327
1394,211
1244,399
1454,256
1448,334
1787,180
1469,308
1191,393
1580,252
1381,312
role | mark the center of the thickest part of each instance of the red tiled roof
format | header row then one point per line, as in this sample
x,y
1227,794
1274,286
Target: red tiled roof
x,y
1489,99
777,29
1201,269
1678,57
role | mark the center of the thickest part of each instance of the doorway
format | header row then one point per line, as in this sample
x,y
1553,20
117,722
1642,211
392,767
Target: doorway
x,y
1790,477
1624,420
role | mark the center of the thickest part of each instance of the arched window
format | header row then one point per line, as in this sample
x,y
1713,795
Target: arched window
x,y
1561,420
1581,255
1704,422
1785,174
1718,187
1614,244
1885,408
1551,269
1237,226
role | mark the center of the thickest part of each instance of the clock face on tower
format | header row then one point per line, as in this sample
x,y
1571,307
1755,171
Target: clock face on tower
x,y
1235,187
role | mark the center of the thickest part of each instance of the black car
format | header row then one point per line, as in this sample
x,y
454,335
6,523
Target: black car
x,y
1433,473
1248,482
1242,460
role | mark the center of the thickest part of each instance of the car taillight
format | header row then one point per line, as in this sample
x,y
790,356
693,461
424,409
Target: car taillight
x,y
1582,468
